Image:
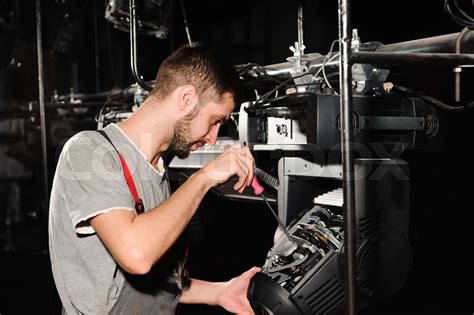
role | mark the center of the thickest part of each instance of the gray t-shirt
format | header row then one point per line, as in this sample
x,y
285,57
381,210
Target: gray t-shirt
x,y
89,181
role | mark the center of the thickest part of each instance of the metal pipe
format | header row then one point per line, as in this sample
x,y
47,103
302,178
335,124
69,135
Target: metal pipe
x,y
96,49
437,44
82,96
66,105
458,70
283,70
44,147
128,91
300,23
186,26
425,51
345,79
431,59
133,48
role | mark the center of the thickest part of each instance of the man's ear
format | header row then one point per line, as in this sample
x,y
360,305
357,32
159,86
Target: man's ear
x,y
187,97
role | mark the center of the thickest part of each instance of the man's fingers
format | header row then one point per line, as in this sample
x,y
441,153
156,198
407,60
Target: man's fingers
x,y
250,162
234,161
246,158
241,171
244,177
251,165
251,272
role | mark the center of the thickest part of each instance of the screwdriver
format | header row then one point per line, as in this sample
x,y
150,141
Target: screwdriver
x,y
258,190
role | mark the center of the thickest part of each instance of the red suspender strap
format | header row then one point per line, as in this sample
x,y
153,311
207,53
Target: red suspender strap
x,y
131,185
128,177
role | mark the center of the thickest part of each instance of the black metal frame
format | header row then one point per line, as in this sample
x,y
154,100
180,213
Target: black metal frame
x,y
44,147
396,58
133,48
345,84
382,56
347,58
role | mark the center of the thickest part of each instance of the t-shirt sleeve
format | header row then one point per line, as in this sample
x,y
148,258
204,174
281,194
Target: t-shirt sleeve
x,y
91,180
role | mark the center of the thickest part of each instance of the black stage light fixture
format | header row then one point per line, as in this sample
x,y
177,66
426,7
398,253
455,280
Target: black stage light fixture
x,y
153,16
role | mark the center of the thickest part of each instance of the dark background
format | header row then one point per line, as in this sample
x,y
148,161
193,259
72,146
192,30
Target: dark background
x,y
229,237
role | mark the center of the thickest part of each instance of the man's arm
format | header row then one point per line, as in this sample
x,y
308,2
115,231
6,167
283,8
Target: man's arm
x,y
231,295
137,242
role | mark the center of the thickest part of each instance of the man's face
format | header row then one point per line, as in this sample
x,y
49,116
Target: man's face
x,y
200,126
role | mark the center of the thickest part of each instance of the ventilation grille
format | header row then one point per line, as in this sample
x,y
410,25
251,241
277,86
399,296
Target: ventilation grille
x,y
369,225
326,297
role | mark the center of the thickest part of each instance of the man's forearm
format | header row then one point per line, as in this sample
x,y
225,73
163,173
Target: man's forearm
x,y
159,228
202,292
137,242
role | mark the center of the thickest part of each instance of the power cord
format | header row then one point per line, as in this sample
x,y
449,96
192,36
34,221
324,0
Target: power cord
x,y
431,100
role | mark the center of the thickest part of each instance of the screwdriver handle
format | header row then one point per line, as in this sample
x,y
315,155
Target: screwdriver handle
x,y
257,188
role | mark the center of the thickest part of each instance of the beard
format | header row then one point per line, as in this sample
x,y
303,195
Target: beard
x,y
181,139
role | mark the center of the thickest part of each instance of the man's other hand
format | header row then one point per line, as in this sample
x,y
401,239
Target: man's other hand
x,y
233,296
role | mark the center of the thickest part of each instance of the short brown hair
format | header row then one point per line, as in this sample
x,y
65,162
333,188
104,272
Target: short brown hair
x,y
195,65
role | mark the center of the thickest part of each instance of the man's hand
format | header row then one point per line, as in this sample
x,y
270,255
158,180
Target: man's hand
x,y
233,296
233,161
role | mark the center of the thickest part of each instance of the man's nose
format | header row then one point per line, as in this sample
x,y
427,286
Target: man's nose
x,y
211,137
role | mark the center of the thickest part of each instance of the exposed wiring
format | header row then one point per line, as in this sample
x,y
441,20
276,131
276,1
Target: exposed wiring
x,y
431,100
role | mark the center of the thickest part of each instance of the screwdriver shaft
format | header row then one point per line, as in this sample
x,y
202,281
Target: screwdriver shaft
x,y
282,226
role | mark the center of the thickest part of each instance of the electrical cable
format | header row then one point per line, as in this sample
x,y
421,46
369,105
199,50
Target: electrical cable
x,y
431,100
250,66
463,13
464,20
295,96
325,63
325,77
264,97
291,106
108,101
328,55
327,59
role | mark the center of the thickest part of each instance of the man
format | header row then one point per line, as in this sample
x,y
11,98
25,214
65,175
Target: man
x,y
105,257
